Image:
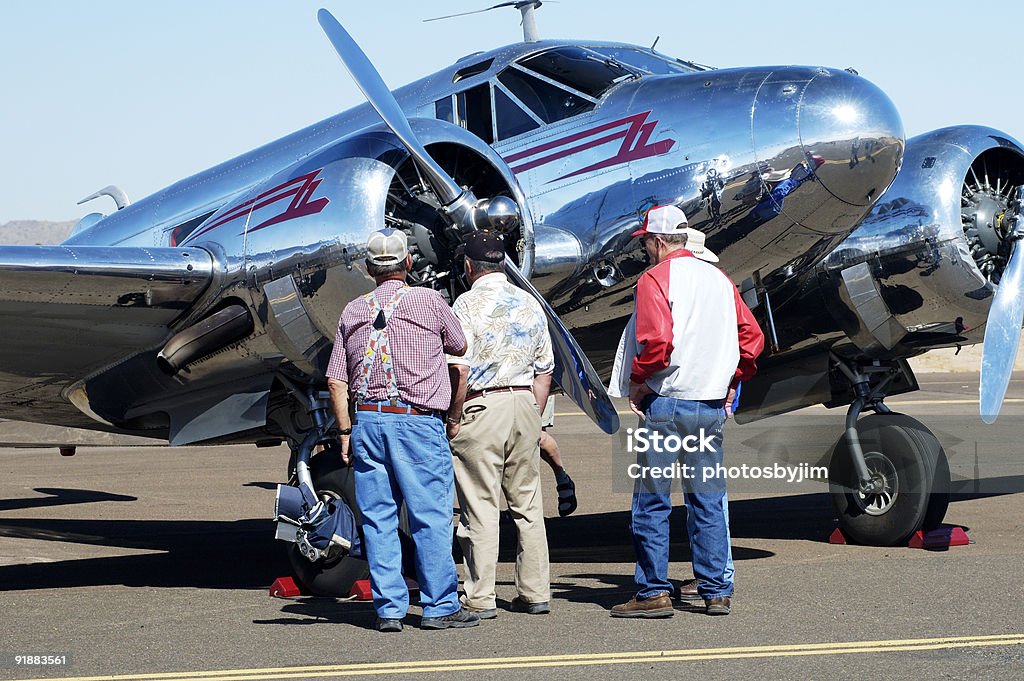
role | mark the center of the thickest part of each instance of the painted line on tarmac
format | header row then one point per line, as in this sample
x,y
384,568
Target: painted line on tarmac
x,y
474,664
894,401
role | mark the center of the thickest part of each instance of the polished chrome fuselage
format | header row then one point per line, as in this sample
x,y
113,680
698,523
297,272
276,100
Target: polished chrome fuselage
x,y
776,165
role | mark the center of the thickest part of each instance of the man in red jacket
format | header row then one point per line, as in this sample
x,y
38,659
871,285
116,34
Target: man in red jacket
x,y
690,343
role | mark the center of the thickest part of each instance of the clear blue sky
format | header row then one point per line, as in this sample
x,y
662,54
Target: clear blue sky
x,y
142,93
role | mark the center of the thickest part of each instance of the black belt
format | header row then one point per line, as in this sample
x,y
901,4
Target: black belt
x,y
488,391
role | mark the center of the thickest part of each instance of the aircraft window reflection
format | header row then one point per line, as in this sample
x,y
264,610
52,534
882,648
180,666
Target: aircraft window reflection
x,y
550,102
475,111
511,119
642,60
577,68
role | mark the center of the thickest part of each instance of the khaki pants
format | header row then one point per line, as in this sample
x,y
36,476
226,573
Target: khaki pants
x,y
496,452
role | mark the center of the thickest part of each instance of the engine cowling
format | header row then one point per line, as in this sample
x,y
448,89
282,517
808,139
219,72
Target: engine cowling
x,y
920,271
296,243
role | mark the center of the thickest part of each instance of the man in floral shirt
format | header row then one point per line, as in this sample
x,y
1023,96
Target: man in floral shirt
x,y
505,377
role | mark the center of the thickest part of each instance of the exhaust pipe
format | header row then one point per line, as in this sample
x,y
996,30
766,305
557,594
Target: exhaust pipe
x,y
217,331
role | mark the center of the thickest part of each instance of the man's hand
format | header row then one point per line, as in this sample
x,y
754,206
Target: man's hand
x,y
730,397
346,456
637,393
452,429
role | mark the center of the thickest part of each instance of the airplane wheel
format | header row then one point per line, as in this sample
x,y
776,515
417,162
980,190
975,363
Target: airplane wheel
x,y
908,462
938,502
334,480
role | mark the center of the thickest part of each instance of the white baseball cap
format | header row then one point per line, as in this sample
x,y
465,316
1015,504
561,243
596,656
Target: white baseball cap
x,y
387,246
663,220
695,244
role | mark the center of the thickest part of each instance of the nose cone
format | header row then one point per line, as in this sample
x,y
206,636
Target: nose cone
x,y
851,135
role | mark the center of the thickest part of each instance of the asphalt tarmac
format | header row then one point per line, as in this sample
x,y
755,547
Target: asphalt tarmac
x,y
155,561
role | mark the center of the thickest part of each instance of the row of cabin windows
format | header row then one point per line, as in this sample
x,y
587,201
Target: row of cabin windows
x,y
545,88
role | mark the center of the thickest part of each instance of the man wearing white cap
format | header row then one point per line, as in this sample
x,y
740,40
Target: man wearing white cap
x,y
389,356
690,341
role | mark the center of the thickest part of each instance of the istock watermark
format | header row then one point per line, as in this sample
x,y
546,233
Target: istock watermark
x,y
645,440
680,471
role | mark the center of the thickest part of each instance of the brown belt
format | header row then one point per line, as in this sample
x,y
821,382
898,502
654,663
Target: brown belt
x,y
487,391
393,409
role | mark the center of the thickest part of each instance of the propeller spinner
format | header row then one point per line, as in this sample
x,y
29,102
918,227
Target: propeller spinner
x,y
1005,318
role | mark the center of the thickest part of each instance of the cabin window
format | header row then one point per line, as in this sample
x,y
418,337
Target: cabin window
x,y
586,72
644,61
545,99
470,71
444,110
511,119
474,108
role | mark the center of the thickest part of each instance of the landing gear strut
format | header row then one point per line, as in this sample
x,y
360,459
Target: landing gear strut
x,y
312,508
888,476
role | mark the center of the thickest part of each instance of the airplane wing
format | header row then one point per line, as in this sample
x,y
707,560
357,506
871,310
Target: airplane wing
x,y
69,311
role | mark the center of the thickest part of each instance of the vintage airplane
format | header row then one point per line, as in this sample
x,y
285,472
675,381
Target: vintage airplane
x,y
205,313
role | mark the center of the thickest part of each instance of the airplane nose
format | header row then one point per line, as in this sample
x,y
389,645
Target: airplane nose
x,y
851,135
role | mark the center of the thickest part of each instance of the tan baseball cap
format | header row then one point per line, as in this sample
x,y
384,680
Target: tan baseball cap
x,y
387,246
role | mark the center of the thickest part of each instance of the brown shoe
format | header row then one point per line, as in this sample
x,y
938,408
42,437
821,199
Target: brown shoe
x,y
658,605
687,591
719,605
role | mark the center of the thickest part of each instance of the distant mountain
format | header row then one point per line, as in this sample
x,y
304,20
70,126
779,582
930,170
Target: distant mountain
x,y
28,232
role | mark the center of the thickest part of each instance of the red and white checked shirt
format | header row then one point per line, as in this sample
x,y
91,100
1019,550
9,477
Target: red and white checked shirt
x,y
421,330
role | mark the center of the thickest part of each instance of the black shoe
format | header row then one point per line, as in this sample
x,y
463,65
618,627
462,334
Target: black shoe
x,y
457,620
566,494
482,613
386,624
519,605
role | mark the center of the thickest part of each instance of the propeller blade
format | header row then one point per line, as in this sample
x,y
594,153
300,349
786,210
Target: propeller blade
x,y
573,371
381,99
1002,334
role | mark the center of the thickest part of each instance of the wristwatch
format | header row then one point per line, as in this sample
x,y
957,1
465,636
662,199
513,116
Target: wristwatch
x,y
452,422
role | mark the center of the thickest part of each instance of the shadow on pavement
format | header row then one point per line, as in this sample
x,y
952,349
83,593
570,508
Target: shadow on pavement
x,y
243,554
61,497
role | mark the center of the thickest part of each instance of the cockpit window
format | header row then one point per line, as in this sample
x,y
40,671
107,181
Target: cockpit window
x,y
577,68
474,109
510,118
549,102
644,61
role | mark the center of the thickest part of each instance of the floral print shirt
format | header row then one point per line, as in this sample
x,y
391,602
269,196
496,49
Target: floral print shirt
x,y
507,339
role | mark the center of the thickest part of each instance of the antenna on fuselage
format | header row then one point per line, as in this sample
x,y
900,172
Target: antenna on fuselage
x,y
528,8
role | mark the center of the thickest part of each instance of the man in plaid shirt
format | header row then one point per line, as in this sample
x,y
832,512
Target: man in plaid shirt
x,y
389,357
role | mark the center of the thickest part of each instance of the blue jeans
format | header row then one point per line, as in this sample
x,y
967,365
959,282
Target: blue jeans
x,y
730,569
399,457
708,529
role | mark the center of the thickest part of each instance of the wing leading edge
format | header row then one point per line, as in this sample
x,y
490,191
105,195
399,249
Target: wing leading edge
x,y
68,311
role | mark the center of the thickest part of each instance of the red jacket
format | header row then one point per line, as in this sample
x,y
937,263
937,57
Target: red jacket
x,y
695,334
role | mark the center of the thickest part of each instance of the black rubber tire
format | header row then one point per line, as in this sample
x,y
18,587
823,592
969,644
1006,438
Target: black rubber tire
x,y
937,465
335,578
938,501
331,578
915,455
